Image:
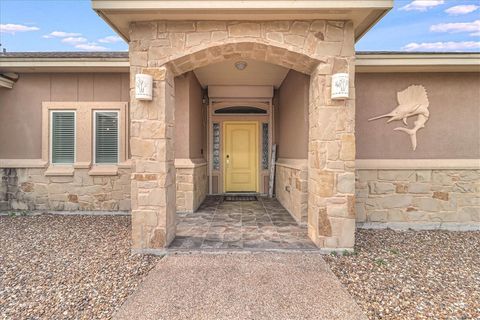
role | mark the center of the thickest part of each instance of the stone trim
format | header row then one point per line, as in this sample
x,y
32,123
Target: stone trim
x,y
60,170
401,164
103,170
189,163
298,164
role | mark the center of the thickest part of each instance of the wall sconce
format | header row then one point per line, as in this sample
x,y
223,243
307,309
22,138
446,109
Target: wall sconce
x,y
143,86
340,86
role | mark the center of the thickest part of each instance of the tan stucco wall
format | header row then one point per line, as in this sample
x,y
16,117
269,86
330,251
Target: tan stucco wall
x,y
190,165
21,107
292,116
452,132
189,130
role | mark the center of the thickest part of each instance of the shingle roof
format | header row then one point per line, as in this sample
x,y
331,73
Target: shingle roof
x,y
124,54
71,54
412,53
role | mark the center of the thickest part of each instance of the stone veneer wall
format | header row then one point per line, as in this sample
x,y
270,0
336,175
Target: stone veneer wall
x,y
192,187
415,197
291,188
30,189
165,49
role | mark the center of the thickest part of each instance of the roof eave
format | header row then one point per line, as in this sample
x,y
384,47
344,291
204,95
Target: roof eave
x,y
241,10
95,65
417,62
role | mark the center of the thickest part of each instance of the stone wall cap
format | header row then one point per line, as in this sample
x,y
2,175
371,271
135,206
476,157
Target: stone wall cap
x,y
60,170
298,164
189,163
103,170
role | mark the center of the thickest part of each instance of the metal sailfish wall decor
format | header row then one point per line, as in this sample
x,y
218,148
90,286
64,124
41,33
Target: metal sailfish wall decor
x,y
411,101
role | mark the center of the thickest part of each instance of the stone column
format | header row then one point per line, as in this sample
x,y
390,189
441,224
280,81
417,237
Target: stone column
x,y
331,150
153,172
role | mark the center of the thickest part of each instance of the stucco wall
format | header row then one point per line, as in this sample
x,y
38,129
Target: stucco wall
x,y
21,107
452,131
292,116
190,166
189,133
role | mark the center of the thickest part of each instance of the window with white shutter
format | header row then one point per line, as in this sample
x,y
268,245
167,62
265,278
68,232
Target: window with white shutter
x,y
106,137
63,137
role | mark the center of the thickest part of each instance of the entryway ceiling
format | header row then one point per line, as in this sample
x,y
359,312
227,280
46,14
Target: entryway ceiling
x,y
256,73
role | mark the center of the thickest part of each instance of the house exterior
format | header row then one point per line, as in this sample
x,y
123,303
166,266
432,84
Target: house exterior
x,y
231,79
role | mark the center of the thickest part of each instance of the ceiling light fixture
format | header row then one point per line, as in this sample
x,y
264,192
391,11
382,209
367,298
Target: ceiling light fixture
x,y
240,65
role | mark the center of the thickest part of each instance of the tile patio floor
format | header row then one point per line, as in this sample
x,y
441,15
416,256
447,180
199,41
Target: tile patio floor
x,y
239,225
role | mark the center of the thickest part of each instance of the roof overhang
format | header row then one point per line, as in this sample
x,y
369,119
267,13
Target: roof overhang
x,y
417,62
120,13
63,65
364,63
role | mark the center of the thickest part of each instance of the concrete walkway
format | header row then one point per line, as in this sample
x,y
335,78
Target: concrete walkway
x,y
241,286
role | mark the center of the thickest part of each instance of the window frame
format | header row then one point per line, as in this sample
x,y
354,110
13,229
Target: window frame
x,y
94,137
52,111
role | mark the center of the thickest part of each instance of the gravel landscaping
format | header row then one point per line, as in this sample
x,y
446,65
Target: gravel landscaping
x,y
67,267
80,267
413,274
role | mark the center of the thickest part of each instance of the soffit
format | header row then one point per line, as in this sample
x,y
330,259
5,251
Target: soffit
x,y
256,73
120,13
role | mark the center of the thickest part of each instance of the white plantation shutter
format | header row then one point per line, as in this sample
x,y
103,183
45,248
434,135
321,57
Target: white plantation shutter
x,y
63,137
106,137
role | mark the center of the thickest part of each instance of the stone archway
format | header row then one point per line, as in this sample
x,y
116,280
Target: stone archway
x,y
319,48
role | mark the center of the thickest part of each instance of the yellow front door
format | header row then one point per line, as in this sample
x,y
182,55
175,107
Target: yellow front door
x,y
240,155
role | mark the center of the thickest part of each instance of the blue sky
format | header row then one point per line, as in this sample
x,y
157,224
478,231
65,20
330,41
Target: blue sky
x,y
71,25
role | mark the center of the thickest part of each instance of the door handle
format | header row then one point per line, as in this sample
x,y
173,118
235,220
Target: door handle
x,y
228,159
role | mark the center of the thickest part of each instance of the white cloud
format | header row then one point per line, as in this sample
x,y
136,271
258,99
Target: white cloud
x,y
456,27
12,28
61,34
91,46
442,46
461,9
110,39
422,5
74,40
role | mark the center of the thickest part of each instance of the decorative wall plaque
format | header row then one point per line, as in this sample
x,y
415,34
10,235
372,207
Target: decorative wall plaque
x,y
340,85
143,86
412,101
